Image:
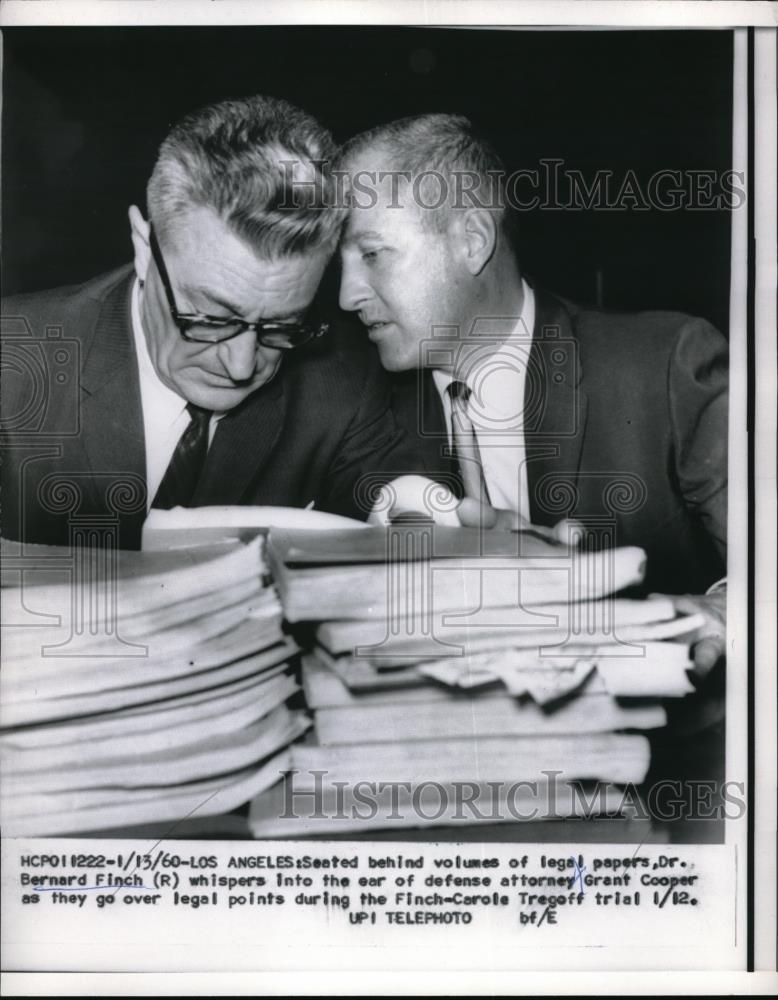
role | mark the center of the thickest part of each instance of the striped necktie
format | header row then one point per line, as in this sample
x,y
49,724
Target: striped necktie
x,y
465,444
182,474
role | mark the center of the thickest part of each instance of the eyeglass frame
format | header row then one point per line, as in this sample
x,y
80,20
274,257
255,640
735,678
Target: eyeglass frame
x,y
186,320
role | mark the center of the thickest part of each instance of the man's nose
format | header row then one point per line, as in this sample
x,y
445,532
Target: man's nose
x,y
239,356
354,290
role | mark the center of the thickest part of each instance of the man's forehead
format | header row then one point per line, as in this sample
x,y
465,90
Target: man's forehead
x,y
196,228
375,178
394,224
379,217
203,243
215,271
373,159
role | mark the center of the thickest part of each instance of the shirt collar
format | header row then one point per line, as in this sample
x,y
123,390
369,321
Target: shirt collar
x,y
158,399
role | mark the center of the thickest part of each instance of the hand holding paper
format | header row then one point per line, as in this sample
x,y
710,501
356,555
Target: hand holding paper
x,y
472,514
408,495
709,641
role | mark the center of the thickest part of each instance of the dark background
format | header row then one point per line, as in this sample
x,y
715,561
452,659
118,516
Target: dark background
x,y
85,109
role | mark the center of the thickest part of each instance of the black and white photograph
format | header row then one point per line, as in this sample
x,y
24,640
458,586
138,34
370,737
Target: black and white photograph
x,y
381,504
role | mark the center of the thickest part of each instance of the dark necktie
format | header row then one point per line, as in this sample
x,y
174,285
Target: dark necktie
x,y
465,444
180,479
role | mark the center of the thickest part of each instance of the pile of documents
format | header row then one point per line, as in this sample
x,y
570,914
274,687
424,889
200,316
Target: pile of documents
x,y
447,656
139,687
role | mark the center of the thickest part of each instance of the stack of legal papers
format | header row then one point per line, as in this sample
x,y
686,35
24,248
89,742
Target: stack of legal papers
x,y
139,687
491,660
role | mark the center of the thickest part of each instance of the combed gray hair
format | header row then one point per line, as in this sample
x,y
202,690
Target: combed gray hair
x,y
261,164
440,150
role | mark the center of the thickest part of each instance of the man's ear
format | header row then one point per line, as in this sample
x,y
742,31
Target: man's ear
x,y
139,230
479,236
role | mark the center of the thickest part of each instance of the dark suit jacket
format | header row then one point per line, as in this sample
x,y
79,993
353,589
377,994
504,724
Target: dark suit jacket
x,y
625,422
74,451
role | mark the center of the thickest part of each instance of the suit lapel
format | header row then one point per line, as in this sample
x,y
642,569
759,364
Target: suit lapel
x,y
555,410
434,429
445,458
241,446
112,415
419,409
112,425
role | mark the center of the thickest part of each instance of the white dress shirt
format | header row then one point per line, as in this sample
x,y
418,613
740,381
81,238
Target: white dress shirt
x,y
497,380
165,417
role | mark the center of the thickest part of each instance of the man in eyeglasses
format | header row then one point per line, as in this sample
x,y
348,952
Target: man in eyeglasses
x,y
191,378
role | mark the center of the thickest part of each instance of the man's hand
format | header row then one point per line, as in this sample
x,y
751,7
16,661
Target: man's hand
x,y
709,641
415,497
473,514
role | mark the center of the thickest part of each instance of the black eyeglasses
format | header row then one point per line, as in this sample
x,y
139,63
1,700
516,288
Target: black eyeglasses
x,y
202,329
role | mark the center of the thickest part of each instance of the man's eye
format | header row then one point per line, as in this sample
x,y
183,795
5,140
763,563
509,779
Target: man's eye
x,y
370,255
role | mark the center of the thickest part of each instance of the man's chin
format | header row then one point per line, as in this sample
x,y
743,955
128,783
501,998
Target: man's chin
x,y
393,360
220,400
